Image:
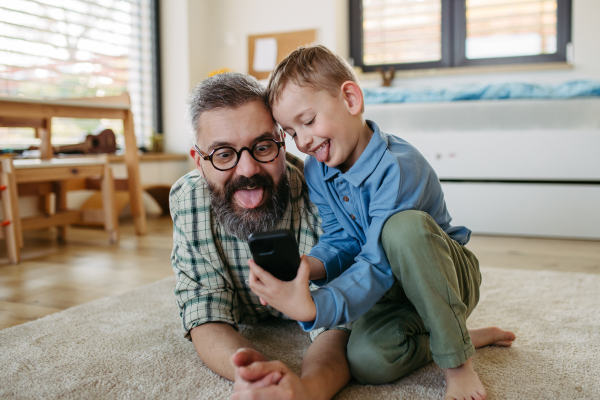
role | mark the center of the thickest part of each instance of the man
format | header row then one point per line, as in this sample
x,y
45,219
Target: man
x,y
244,183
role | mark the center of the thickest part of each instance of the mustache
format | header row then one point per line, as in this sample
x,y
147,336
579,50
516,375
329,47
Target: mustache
x,y
253,182
241,222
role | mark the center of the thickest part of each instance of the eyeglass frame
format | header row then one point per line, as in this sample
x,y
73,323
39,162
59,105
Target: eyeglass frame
x,y
238,153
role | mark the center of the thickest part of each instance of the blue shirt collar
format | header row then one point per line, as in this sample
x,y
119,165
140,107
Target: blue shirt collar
x,y
366,163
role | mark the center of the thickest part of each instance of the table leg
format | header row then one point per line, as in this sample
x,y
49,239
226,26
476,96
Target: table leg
x,y
14,198
109,205
45,133
45,204
133,175
60,206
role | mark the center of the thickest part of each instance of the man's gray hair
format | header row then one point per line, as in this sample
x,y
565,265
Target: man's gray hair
x,y
228,90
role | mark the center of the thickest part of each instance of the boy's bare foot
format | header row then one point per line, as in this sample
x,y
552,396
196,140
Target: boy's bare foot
x,y
491,336
463,383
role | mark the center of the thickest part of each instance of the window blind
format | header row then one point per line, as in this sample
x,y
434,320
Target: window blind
x,y
402,31
508,28
78,48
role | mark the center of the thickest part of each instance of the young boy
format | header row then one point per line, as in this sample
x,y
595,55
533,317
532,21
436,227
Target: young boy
x,y
388,258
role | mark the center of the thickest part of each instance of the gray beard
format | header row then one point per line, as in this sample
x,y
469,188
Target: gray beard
x,y
242,222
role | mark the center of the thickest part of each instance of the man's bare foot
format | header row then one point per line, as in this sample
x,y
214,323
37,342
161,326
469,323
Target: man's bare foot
x,y
463,383
491,336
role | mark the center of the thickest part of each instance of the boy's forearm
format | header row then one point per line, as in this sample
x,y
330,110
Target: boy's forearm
x,y
325,368
215,343
317,269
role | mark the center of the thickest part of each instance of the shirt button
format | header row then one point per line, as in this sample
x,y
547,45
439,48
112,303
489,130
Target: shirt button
x,y
352,216
247,282
346,198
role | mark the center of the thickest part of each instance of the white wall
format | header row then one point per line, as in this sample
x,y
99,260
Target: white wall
x,y
586,38
198,36
175,68
231,21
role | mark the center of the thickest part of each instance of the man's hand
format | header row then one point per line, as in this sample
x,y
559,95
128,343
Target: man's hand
x,y
245,357
289,387
291,298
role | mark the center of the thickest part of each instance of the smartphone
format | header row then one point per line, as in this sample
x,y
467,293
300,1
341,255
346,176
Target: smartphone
x,y
276,252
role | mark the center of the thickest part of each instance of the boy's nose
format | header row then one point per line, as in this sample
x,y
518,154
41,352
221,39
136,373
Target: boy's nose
x,y
247,166
303,141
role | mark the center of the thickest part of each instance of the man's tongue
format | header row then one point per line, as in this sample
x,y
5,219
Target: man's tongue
x,y
323,152
249,198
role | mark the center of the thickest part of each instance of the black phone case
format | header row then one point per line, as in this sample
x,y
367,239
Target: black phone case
x,y
276,252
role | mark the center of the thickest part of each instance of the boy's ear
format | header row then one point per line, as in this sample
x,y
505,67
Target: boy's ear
x,y
353,96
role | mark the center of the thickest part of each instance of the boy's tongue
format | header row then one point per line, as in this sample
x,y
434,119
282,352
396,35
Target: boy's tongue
x,y
323,153
249,198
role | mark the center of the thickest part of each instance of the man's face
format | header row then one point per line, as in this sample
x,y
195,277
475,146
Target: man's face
x,y
252,196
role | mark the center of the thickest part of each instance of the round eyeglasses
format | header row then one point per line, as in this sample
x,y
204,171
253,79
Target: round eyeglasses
x,y
225,158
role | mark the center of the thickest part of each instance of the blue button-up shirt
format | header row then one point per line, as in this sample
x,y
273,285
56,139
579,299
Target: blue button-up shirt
x,y
390,176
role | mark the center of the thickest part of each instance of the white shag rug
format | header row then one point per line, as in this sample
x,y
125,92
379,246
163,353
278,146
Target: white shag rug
x,y
130,346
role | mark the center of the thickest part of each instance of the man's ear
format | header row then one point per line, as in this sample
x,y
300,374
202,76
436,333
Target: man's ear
x,y
279,132
197,160
353,97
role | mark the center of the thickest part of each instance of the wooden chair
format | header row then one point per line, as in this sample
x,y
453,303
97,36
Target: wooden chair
x,y
34,177
11,223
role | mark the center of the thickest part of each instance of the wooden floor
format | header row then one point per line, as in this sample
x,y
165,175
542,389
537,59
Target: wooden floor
x,y
54,276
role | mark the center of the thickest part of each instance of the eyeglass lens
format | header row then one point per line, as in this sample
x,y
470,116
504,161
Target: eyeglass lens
x,y
227,157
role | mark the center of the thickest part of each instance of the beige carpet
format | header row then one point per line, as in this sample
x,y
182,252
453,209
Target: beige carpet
x,y
130,346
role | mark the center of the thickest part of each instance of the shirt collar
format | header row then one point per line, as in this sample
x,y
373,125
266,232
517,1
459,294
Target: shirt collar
x,y
366,163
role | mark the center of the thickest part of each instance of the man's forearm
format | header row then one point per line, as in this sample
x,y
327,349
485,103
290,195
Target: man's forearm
x,y
325,368
215,343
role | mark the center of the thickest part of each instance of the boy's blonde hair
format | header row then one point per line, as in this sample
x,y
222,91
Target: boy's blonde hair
x,y
314,66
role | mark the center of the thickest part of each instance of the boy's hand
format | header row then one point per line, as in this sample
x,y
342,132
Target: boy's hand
x,y
291,298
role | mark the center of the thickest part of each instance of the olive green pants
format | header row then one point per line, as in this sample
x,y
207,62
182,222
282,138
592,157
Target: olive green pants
x,y
423,316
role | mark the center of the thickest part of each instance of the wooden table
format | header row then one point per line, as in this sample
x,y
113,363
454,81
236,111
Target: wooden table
x,y
39,113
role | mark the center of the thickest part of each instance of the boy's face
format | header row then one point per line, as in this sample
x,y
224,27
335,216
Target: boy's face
x,y
323,126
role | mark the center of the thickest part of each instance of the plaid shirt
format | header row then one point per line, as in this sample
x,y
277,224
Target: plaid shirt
x,y
211,265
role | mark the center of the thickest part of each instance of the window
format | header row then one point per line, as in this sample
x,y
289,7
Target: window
x,y
79,48
410,34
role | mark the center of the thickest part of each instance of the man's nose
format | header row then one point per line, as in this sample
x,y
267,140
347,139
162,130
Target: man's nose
x,y
247,166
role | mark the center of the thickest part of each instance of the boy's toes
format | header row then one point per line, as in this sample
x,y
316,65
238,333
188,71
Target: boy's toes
x,y
491,336
505,338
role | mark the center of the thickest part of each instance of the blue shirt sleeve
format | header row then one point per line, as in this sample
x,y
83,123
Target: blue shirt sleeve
x,y
353,293
336,249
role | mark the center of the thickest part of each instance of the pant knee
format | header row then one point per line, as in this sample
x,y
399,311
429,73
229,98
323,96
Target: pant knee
x,y
367,365
405,235
371,365
407,227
